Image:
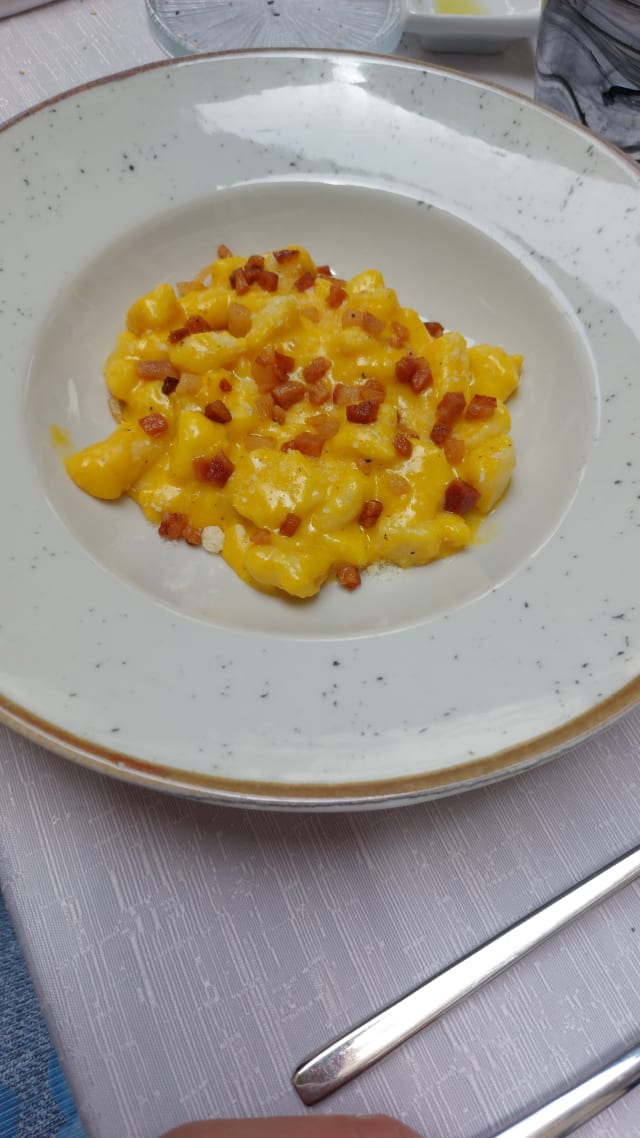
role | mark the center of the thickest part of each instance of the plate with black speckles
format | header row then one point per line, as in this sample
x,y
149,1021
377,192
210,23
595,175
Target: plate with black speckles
x,y
151,661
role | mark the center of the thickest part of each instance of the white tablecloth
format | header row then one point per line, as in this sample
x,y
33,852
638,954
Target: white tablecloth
x,y
189,957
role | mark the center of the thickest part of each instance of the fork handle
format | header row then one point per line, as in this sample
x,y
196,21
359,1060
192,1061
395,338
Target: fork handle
x,y
360,1048
566,1113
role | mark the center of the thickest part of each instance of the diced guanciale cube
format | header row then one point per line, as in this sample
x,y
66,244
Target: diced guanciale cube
x,y
319,393
156,369
440,433
265,369
217,469
282,256
189,384
306,281
286,394
264,405
197,323
252,269
370,513
225,384
374,390
239,319
344,393
450,407
399,334
316,369
154,423
349,577
403,445
192,535
306,443
434,328
481,407
421,378
460,497
169,385
261,536
371,324
360,318
217,412
448,411
290,525
285,363
224,252
172,526
183,287
453,450
239,282
415,371
337,295
325,425
268,281
405,368
398,484
365,412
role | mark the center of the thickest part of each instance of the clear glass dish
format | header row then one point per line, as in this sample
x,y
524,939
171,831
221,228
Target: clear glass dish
x,y
188,27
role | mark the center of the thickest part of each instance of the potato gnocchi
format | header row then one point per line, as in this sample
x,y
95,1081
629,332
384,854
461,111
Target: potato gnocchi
x,y
303,426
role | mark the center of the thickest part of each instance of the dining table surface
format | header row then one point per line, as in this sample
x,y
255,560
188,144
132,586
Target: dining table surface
x,y
188,956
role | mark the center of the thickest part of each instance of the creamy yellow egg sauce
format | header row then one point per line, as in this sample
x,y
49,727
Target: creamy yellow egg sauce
x,y
59,438
303,426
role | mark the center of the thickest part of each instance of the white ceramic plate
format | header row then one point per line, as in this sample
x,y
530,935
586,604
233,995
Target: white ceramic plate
x,y
153,662
472,25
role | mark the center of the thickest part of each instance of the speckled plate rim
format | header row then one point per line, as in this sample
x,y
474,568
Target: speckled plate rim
x,y
374,795
377,793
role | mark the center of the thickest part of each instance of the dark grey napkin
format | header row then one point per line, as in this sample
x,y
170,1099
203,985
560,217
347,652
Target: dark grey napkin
x,y
588,66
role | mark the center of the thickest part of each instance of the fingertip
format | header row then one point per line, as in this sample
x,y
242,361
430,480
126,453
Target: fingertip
x,y
327,1126
381,1126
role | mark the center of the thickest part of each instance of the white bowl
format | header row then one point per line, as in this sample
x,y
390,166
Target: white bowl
x,y
481,26
156,664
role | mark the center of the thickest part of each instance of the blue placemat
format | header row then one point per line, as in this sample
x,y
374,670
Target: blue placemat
x,y
35,1101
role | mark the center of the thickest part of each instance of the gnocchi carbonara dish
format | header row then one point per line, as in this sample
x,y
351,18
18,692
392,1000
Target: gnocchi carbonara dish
x,y
301,426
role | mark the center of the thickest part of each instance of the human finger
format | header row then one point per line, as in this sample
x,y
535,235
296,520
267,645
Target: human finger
x,y
327,1126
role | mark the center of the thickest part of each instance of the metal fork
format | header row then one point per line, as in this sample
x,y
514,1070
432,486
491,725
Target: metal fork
x,y
566,1113
363,1046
